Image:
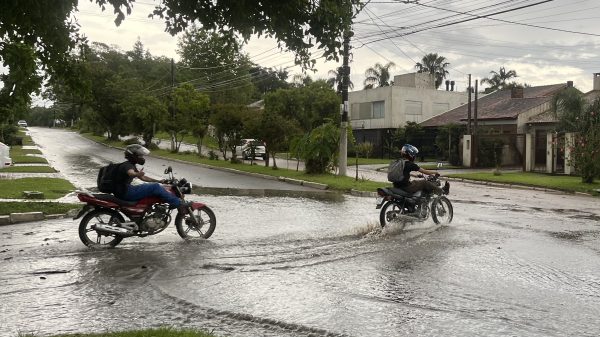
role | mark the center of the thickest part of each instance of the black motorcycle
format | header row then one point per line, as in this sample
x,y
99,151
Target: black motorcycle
x,y
399,206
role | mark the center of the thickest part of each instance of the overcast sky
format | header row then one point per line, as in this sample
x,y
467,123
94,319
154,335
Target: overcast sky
x,y
402,33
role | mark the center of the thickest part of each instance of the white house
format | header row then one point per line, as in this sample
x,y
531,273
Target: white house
x,y
375,113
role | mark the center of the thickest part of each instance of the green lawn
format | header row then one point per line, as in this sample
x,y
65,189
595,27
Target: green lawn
x,y
565,183
51,187
28,169
28,160
558,182
7,207
161,332
19,151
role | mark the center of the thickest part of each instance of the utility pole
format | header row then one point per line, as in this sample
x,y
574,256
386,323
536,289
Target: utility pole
x,y
475,111
469,107
171,108
343,157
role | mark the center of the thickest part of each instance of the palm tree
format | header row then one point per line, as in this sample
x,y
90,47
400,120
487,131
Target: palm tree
x,y
335,81
378,75
435,65
499,80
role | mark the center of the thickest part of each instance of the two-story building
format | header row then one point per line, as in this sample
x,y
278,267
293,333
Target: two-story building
x,y
377,112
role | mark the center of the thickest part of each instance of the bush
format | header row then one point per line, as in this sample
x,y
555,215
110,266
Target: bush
x,y
212,155
132,140
489,152
321,148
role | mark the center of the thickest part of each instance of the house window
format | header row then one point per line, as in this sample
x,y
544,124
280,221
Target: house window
x,y
360,111
379,109
414,111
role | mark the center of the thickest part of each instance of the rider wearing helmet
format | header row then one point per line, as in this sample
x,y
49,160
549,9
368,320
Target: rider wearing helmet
x,y
127,171
409,152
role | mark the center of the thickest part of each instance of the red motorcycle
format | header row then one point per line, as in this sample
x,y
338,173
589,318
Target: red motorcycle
x,y
104,216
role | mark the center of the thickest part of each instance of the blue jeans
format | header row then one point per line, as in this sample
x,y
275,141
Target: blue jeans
x,y
138,192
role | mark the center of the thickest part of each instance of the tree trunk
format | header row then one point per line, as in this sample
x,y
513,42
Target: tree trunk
x,y
274,162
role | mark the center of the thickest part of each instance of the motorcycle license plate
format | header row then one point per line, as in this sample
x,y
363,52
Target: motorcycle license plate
x,y
379,201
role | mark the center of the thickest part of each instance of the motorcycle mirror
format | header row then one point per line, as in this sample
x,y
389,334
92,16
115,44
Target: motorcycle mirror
x,y
168,170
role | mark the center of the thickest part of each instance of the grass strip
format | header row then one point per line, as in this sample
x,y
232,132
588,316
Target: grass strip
x,y
557,182
7,207
51,187
28,169
160,332
20,151
29,160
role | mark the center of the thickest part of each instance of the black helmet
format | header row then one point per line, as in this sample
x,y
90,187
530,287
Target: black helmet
x,y
135,153
409,151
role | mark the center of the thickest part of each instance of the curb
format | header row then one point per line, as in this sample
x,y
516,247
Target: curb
x,y
516,186
15,218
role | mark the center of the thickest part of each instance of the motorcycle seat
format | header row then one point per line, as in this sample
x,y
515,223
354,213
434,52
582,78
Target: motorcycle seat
x,y
112,198
403,193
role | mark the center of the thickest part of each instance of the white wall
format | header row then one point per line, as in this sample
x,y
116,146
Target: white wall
x,y
398,102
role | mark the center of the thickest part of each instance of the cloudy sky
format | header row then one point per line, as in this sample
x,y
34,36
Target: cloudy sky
x,y
545,42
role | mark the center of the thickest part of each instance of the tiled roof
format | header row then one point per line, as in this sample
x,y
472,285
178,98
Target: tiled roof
x,y
498,105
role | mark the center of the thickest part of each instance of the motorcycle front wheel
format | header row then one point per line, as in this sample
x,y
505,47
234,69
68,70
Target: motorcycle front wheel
x,y
92,238
188,229
441,210
390,212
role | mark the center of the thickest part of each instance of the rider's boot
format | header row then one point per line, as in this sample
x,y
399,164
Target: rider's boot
x,y
446,188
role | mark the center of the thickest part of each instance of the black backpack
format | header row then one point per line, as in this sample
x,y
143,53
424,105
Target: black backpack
x,y
396,171
107,178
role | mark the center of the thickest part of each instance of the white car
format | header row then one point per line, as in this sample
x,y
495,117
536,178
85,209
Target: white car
x,y
244,150
22,123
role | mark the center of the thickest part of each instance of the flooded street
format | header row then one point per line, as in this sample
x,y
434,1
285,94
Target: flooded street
x,y
512,263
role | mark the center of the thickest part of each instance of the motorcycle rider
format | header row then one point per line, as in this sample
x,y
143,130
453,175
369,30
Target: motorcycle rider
x,y
409,153
127,171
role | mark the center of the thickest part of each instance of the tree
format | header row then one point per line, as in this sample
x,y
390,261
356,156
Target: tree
x,y
336,79
266,80
575,114
189,107
228,120
435,65
43,31
499,80
215,64
144,113
309,105
298,24
378,75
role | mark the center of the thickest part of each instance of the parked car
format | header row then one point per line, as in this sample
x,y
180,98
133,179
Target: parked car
x,y
244,150
22,123
5,160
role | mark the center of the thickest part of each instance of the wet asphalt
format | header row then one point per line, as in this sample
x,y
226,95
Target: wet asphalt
x,y
512,263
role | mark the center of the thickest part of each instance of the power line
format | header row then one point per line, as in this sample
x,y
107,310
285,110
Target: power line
x,y
514,22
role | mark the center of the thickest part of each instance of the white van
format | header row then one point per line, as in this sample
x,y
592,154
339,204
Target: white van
x,y
5,160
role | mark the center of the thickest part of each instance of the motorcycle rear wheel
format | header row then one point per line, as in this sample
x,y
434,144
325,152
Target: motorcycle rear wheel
x,y
441,210
207,222
92,238
390,212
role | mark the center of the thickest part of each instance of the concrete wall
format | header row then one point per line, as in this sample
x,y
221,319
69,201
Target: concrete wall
x,y
415,80
569,164
467,146
524,117
529,152
398,101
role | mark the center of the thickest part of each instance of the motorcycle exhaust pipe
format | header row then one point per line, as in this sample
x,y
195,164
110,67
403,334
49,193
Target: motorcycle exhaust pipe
x,y
113,230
